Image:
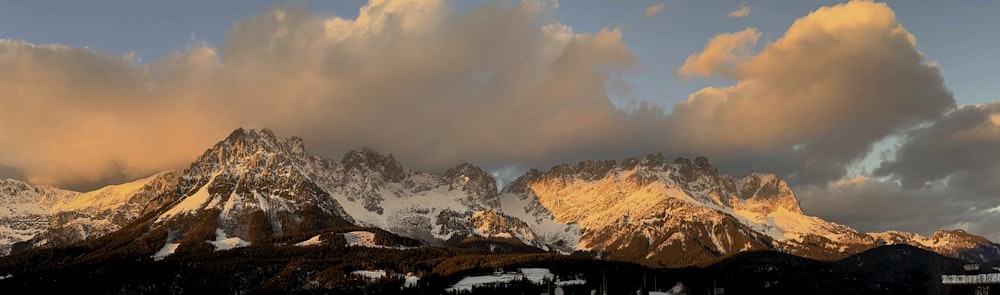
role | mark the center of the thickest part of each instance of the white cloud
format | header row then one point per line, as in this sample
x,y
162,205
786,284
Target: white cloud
x,y
654,9
813,101
722,53
739,12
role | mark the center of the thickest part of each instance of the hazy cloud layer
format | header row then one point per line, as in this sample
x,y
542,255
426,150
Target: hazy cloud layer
x,y
504,86
499,85
7,172
74,117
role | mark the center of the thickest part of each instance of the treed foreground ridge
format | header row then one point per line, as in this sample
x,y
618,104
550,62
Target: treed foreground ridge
x,y
261,212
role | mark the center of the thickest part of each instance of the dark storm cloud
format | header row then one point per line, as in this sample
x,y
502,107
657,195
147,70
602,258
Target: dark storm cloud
x,y
963,149
872,205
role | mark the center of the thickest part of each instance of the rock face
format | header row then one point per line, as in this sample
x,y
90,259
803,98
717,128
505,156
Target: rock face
x,y
254,185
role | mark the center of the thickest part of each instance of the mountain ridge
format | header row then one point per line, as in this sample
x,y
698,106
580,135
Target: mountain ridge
x,y
258,185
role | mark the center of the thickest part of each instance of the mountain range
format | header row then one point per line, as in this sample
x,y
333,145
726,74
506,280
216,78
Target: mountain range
x,y
254,186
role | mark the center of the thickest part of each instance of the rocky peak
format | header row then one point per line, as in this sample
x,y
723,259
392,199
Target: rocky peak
x,y
249,147
650,161
472,175
959,236
491,223
466,169
243,140
474,180
691,171
654,160
595,170
523,182
247,160
369,160
11,187
564,170
584,170
768,190
893,237
702,165
961,244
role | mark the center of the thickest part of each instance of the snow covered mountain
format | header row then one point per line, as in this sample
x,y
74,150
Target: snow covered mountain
x,y
955,243
253,186
684,212
41,216
26,211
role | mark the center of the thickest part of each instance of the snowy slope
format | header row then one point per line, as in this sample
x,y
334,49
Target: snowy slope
x,y
683,212
248,187
955,243
376,191
44,216
254,177
26,211
536,276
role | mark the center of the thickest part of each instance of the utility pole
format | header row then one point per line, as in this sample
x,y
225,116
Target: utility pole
x,y
604,283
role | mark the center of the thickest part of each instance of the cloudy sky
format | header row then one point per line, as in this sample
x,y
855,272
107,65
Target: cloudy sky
x,y
879,115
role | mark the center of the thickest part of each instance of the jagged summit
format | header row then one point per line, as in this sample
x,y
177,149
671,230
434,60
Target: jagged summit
x,y
692,171
261,185
696,176
649,161
683,206
250,140
769,191
249,148
364,160
476,181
